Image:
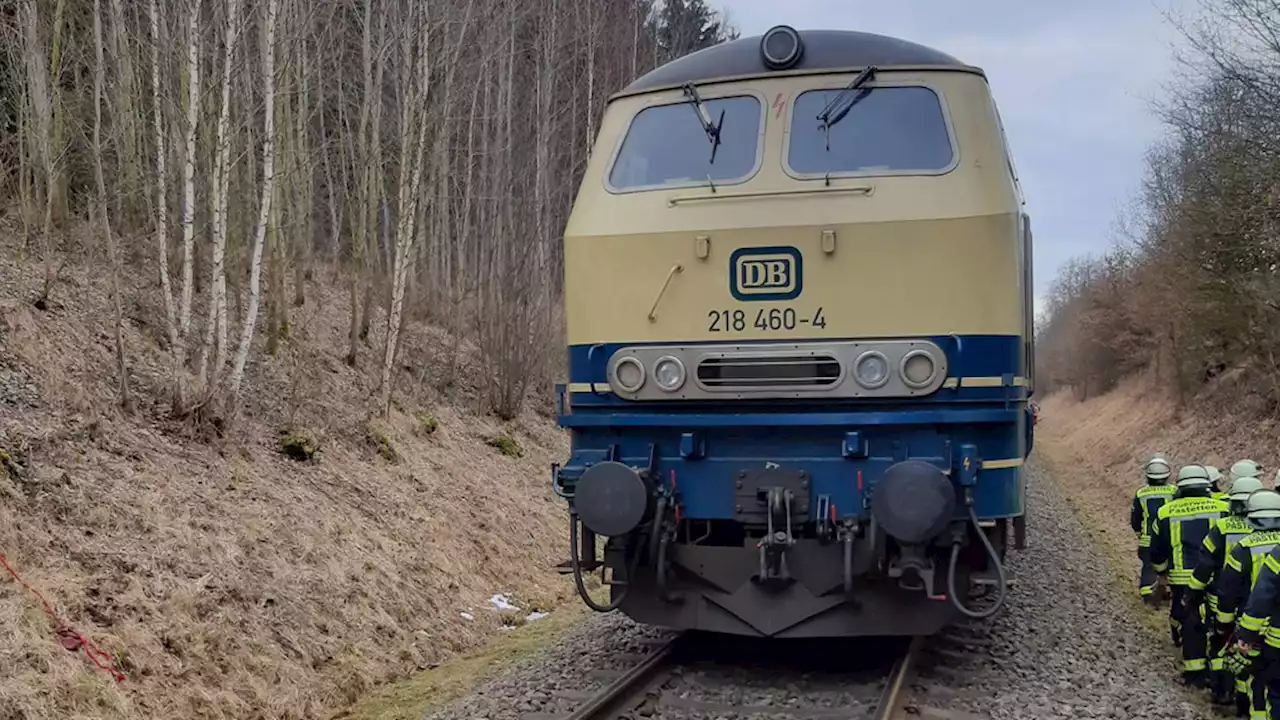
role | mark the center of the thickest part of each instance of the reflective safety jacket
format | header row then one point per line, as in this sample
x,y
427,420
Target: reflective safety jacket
x,y
1214,551
1179,532
1261,615
1240,572
1146,503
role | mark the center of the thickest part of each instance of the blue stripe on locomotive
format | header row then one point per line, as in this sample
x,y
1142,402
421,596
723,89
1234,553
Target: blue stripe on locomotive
x,y
707,444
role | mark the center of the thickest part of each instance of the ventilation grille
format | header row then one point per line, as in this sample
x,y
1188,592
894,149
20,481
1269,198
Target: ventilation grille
x,y
769,372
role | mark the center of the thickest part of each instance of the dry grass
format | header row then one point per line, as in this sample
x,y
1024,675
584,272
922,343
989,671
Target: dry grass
x,y
1097,449
233,581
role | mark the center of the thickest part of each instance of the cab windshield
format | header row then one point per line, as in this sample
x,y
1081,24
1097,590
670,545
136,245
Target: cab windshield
x,y
667,146
891,130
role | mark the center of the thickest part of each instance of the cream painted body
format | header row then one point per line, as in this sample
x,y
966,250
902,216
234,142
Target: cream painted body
x,y
903,255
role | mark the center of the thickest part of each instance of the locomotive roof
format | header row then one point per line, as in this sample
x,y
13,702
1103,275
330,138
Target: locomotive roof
x,y
823,50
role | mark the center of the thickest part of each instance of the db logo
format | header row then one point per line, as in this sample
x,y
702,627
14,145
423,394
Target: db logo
x,y
765,273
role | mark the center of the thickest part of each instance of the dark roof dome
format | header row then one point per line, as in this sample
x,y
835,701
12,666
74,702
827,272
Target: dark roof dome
x,y
823,50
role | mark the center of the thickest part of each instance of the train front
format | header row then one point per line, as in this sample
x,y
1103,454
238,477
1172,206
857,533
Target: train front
x,y
798,307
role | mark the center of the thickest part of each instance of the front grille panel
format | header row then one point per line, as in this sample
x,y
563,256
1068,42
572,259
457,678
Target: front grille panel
x,y
745,371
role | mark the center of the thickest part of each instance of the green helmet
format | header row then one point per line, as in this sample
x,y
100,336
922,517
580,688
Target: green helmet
x,y
1245,468
1193,476
1240,491
1243,487
1158,470
1264,509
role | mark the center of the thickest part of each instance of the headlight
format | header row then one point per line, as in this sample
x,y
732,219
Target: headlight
x,y
669,373
871,370
630,374
917,369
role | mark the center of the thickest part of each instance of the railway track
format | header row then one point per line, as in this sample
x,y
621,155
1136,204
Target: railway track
x,y
682,678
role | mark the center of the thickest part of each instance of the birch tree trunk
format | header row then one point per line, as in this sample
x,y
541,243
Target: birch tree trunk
x,y
213,350
161,210
99,72
264,210
410,184
188,194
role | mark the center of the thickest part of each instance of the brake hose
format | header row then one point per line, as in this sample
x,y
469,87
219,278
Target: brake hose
x,y
576,563
995,560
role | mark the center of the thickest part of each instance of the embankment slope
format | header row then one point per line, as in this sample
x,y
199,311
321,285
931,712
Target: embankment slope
x,y
230,580
1097,449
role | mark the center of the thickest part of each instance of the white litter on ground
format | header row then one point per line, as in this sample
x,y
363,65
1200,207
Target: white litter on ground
x,y
500,603
468,616
535,615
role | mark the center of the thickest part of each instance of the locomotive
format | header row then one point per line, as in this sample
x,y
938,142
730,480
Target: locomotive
x,y
798,301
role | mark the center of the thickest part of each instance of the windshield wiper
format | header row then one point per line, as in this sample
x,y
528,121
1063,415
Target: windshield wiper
x,y
829,117
711,129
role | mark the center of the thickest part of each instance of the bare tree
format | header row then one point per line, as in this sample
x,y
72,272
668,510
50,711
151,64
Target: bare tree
x,y
265,205
117,311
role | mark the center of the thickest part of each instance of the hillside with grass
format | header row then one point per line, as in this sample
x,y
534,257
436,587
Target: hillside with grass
x,y
280,570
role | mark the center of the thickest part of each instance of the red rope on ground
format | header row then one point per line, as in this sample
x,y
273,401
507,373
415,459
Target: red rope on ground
x,y
69,637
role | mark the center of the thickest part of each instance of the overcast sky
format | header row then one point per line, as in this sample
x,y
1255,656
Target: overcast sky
x,y
1075,82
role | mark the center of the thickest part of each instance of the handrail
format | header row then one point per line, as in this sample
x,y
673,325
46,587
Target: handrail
x,y
865,190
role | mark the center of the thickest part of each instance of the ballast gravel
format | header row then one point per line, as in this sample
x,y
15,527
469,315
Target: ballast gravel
x,y
1067,645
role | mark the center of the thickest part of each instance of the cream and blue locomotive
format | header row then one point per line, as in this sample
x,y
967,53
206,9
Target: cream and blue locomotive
x,y
799,313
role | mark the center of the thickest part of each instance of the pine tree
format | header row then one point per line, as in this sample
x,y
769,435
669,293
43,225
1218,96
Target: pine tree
x,y
680,27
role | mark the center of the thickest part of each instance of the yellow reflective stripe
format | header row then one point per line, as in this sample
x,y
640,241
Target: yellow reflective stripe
x,y
1226,618
1160,567
1251,623
1234,564
1195,584
1272,563
1193,665
1175,544
1144,541
1209,544
1217,664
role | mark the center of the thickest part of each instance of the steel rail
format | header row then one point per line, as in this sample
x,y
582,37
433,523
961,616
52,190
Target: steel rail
x,y
890,705
623,692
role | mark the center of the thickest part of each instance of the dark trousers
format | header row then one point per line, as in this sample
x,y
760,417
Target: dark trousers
x,y
1223,683
1147,575
1258,699
1265,676
1175,614
1195,641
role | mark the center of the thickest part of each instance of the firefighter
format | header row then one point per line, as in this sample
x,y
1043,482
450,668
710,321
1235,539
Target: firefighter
x,y
1176,537
1147,501
1205,581
1248,588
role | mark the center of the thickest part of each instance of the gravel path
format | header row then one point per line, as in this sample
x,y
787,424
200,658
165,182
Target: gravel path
x,y
1066,646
